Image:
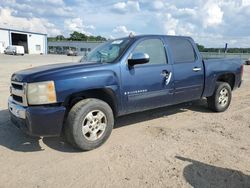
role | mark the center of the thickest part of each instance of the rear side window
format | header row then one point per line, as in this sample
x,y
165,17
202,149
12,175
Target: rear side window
x,y
182,49
154,48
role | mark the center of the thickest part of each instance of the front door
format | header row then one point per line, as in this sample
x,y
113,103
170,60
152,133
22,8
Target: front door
x,y
149,85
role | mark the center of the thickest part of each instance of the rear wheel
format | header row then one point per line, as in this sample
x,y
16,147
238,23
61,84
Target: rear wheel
x,y
89,124
221,99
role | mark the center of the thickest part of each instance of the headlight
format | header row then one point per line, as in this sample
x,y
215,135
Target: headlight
x,y
41,93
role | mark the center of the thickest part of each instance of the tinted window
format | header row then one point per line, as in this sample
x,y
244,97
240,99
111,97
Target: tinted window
x,y
182,50
154,48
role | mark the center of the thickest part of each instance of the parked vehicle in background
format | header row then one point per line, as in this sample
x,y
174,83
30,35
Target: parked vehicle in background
x,y
247,62
119,77
71,53
14,50
51,51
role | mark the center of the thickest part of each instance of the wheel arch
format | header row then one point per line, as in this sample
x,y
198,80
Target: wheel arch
x,y
107,95
228,78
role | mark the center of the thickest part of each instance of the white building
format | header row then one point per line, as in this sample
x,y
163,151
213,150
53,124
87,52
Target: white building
x,y
82,47
33,43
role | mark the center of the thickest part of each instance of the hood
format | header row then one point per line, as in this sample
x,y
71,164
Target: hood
x,y
51,72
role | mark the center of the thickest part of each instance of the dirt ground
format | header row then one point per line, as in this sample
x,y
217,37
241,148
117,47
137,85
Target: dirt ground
x,y
180,146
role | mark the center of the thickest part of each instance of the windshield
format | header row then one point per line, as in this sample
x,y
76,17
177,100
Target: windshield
x,y
107,52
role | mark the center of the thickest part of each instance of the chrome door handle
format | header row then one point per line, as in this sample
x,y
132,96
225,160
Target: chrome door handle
x,y
196,69
167,75
168,78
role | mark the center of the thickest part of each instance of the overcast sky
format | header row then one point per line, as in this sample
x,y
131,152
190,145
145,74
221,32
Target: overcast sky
x,y
209,22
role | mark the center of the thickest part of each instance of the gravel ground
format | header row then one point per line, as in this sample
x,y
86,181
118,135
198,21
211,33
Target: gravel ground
x,y
184,145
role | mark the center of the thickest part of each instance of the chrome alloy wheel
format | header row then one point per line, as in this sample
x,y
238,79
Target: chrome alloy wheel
x,y
94,125
223,97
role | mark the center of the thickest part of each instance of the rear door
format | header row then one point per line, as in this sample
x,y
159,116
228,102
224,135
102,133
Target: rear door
x,y
149,85
188,70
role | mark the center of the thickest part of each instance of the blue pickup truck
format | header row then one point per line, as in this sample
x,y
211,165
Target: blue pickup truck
x,y
119,77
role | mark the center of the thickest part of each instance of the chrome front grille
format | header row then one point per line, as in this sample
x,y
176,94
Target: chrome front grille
x,y
18,92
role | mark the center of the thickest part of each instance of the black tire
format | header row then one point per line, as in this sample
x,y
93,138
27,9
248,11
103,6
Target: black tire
x,y
214,102
77,116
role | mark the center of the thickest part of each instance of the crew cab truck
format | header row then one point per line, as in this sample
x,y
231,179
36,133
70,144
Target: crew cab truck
x,y
119,77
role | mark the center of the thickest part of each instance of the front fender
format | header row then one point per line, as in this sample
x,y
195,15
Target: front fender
x,y
86,81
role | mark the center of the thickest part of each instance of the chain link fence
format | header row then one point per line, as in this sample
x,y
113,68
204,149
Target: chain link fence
x,y
214,55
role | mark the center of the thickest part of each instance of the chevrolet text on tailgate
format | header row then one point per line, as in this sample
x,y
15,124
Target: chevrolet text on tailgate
x,y
119,77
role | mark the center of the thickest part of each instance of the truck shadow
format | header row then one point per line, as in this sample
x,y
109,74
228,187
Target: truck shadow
x,y
197,106
14,139
199,174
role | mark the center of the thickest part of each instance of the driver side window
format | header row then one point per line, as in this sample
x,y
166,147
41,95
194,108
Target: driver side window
x,y
154,48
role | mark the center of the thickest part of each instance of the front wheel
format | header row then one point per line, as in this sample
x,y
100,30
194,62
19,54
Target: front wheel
x,y
221,99
89,124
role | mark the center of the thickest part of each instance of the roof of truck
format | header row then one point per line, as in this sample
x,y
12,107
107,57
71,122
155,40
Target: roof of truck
x,y
154,35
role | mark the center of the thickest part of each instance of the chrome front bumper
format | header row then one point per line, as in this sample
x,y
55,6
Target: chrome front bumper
x,y
16,109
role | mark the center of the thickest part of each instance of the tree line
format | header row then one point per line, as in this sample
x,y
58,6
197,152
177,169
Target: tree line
x,y
76,36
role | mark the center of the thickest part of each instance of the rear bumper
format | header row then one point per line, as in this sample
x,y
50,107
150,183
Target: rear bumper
x,y
37,120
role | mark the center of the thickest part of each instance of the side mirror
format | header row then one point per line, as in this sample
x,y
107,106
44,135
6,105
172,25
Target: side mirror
x,y
138,58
